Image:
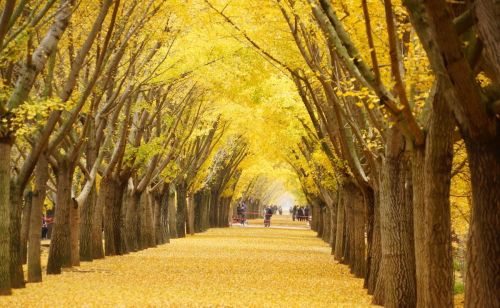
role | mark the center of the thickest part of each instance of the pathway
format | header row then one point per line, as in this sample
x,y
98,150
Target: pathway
x,y
235,267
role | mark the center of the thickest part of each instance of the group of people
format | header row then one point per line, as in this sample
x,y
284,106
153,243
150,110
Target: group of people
x,y
300,213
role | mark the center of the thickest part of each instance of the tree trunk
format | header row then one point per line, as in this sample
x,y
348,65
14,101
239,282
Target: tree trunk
x,y
74,215
190,211
419,221
35,233
107,200
87,211
147,234
132,220
25,224
483,247
181,209
60,241
359,261
369,206
97,247
165,212
16,265
340,234
396,229
5,151
326,224
438,164
157,222
172,211
376,247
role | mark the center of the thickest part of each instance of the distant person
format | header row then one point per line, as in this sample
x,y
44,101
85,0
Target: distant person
x,y
294,212
45,228
243,217
306,213
300,213
267,217
280,210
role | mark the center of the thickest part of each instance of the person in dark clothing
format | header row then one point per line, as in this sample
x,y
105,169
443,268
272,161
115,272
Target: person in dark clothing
x,y
294,212
306,213
300,213
243,213
267,217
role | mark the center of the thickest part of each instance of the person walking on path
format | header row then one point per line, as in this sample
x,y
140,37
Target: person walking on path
x,y
243,217
294,212
267,216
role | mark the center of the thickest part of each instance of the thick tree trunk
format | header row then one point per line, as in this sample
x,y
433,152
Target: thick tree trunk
x,y
438,164
483,247
60,241
321,212
181,209
35,233
396,229
25,224
5,151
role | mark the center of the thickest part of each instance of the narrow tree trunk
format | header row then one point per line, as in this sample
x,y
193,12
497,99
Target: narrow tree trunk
x,y
340,235
132,220
483,247
190,211
16,265
172,211
25,224
165,215
157,222
35,233
86,214
60,241
369,206
376,247
5,151
74,215
181,209
97,247
359,260
326,224
147,234
107,201
419,222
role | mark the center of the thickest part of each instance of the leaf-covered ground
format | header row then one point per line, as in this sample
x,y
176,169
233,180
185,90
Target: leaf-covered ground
x,y
233,267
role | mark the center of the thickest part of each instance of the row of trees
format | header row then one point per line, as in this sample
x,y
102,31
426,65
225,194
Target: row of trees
x,y
390,89
95,118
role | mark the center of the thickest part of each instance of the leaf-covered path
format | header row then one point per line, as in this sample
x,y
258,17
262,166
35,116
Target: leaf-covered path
x,y
235,267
